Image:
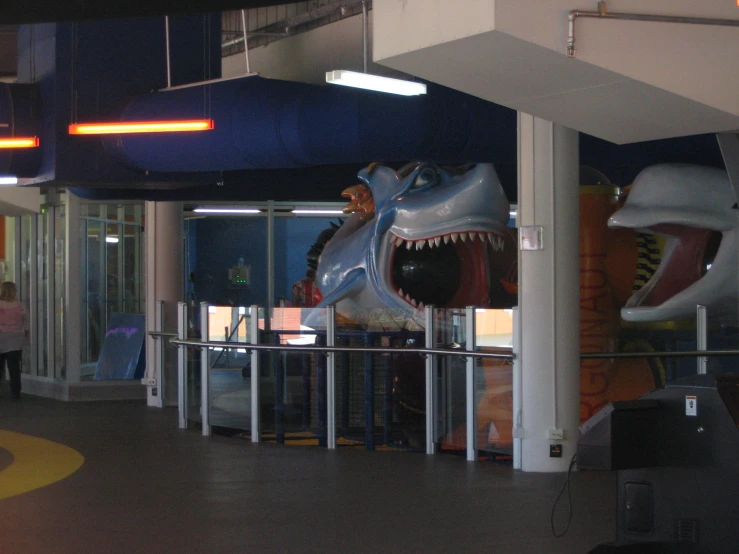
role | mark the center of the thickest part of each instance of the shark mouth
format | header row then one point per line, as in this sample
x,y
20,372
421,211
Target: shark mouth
x,y
686,257
448,270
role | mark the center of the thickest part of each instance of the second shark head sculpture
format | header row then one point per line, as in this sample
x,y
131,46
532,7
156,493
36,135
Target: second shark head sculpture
x,y
691,210
434,235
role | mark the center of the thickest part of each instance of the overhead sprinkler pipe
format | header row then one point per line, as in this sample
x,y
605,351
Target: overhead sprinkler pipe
x,y
365,26
602,13
246,41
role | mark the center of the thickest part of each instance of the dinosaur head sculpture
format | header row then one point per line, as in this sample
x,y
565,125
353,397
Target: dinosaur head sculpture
x,y
433,236
690,209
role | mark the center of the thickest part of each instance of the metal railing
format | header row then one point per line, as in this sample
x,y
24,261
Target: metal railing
x,y
431,352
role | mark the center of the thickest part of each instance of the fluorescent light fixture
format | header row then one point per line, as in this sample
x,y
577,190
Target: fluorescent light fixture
x,y
112,240
513,213
121,127
374,82
318,211
227,211
7,180
19,142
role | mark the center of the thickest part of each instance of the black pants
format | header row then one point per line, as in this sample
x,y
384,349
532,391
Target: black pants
x,y
14,368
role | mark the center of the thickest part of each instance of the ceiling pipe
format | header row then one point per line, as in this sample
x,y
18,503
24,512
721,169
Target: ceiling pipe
x,y
298,20
365,32
166,38
246,42
602,13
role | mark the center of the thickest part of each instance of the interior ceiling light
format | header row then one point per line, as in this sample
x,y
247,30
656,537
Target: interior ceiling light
x,y
120,127
19,142
6,180
113,240
318,211
374,82
227,211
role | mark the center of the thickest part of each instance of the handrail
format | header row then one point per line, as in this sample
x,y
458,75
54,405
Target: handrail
x,y
441,351
159,334
656,354
325,349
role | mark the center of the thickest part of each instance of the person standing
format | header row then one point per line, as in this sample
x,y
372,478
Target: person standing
x,y
13,334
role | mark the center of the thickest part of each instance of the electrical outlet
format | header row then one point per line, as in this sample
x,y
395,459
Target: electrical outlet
x,y
555,450
556,434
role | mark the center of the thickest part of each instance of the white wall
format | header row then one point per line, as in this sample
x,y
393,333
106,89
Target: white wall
x,y
15,201
630,80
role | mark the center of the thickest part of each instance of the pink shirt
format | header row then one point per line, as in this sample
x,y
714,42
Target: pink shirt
x,y
13,326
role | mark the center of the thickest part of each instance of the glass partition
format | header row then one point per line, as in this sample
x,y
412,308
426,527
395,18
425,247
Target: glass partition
x,y
27,268
193,385
451,331
494,383
229,394
293,383
111,251
42,294
60,276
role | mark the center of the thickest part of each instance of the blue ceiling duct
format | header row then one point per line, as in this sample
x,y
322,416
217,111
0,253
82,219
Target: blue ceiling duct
x,y
271,124
20,116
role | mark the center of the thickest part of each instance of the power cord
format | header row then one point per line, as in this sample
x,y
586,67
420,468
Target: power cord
x,y
566,486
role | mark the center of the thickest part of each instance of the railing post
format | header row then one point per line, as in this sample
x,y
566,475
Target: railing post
x,y
204,373
517,408
471,407
157,390
331,378
182,365
369,395
702,338
255,401
430,316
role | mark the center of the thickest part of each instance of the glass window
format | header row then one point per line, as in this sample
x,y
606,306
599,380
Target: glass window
x,y
42,303
25,276
60,334
112,279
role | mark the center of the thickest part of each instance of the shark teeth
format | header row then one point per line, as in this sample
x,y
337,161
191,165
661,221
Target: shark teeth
x,y
491,240
496,242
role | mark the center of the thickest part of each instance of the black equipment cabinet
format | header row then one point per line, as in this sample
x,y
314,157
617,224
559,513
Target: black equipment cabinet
x,y
676,451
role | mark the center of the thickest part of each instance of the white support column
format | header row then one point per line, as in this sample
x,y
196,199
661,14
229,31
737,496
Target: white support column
x,y
548,210
164,281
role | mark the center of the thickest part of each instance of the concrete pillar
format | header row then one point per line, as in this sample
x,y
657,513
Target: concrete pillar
x,y
548,200
164,281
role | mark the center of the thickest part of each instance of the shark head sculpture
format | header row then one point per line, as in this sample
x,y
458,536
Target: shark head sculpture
x,y
434,236
690,210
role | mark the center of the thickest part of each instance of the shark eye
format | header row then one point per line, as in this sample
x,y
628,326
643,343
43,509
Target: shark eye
x,y
426,176
709,255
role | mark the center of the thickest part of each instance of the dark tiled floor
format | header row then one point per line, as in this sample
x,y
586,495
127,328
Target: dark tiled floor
x,y
148,487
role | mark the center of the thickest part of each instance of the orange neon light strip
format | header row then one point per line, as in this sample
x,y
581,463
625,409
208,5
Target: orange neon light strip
x,y
19,142
141,127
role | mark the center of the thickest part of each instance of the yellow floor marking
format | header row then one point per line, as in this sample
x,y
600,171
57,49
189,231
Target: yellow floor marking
x,y
36,463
